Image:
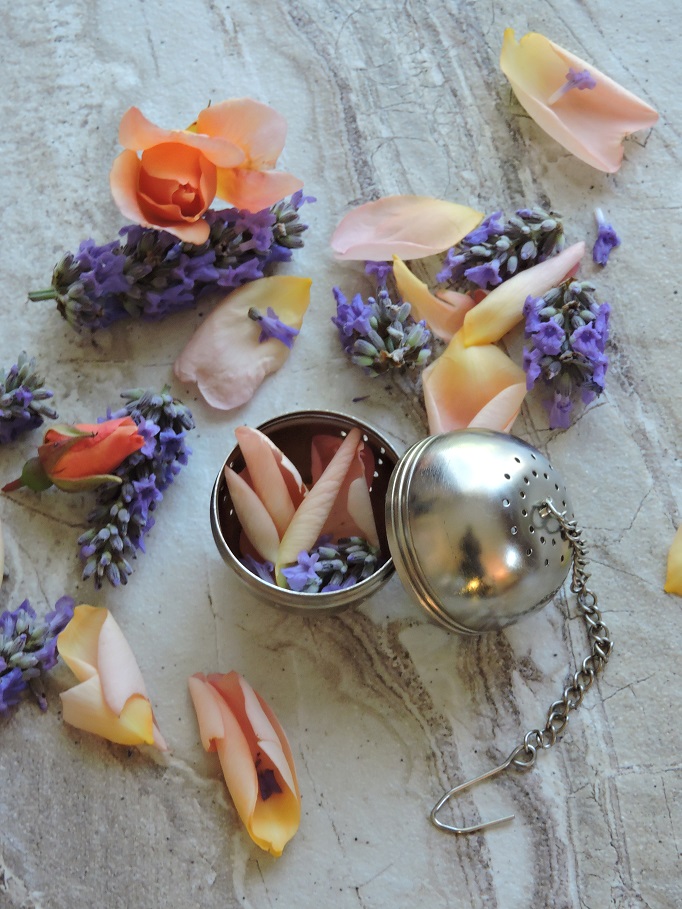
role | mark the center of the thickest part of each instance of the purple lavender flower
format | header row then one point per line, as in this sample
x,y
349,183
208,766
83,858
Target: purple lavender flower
x,y
149,273
264,570
124,513
607,239
22,399
28,647
381,335
567,331
272,327
332,566
580,80
380,271
496,250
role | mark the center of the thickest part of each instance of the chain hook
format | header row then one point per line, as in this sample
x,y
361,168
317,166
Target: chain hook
x,y
485,825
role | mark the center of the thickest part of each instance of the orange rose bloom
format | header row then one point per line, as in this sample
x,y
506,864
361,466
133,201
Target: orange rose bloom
x,y
229,151
80,457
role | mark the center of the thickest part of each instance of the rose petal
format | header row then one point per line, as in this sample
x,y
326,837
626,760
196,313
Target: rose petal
x,y
236,721
673,581
313,512
111,699
257,129
137,133
254,517
255,189
411,227
225,358
472,386
352,513
502,308
592,123
444,313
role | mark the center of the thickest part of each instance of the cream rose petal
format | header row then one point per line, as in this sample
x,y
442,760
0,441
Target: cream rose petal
x,y
313,512
591,123
225,358
472,386
256,521
411,227
111,699
502,308
673,581
444,313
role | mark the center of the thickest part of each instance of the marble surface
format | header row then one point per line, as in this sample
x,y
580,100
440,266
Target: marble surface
x,y
383,708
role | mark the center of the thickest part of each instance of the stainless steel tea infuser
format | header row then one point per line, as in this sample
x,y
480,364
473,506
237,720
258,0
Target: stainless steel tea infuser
x,y
481,532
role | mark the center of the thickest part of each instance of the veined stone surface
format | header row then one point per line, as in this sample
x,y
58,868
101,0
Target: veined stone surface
x,y
384,710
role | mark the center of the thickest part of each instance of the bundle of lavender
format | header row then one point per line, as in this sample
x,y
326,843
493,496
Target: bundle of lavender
x,y
150,273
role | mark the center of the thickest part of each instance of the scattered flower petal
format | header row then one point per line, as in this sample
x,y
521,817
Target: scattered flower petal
x,y
607,239
254,754
477,386
111,699
590,124
443,313
411,227
502,309
673,581
225,358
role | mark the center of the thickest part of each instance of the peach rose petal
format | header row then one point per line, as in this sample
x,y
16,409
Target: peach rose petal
x,y
472,386
256,521
502,308
254,754
225,358
411,227
138,133
267,473
444,313
312,514
590,123
256,128
111,699
673,581
255,190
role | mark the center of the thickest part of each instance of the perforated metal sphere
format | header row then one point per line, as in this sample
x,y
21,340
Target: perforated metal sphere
x,y
466,531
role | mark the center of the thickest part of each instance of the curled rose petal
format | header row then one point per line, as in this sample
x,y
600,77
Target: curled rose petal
x,y
590,124
673,581
259,131
476,386
256,520
254,754
352,513
111,699
411,227
444,313
312,513
502,308
225,358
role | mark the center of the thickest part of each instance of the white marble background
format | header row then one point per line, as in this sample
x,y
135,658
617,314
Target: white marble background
x,y
384,709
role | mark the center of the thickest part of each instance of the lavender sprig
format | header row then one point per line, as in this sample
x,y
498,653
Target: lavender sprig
x,y
28,647
123,516
496,250
22,399
567,330
332,566
150,274
381,335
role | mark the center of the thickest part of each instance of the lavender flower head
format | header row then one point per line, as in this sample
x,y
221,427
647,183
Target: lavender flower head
x,y
381,335
496,249
380,271
607,239
150,274
28,647
567,332
332,566
22,399
272,327
124,513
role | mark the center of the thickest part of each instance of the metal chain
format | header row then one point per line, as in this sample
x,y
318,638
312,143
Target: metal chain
x,y
523,758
